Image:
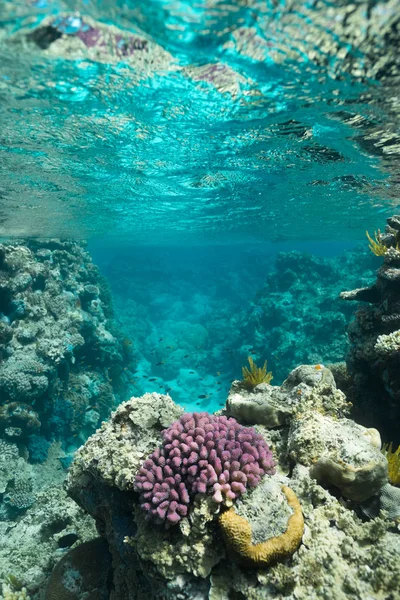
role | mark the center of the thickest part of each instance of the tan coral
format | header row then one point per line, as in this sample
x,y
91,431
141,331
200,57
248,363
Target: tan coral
x,y
237,533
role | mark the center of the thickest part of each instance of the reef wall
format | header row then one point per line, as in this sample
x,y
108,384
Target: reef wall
x,y
297,316
374,357
61,354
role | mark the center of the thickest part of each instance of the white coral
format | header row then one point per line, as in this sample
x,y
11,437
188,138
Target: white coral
x,y
9,594
388,343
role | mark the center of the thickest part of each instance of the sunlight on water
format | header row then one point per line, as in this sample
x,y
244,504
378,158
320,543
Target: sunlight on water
x,y
152,121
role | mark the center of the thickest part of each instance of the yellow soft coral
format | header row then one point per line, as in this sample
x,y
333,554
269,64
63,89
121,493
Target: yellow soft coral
x,y
237,533
255,375
393,459
376,246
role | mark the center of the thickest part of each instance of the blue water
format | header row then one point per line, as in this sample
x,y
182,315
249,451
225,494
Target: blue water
x,y
227,128
190,144
196,314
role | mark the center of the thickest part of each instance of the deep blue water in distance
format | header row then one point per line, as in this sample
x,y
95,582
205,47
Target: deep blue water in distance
x,y
191,311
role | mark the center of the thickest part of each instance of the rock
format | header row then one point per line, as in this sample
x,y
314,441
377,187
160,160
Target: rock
x,y
192,560
114,453
273,406
264,405
340,453
373,360
311,375
82,573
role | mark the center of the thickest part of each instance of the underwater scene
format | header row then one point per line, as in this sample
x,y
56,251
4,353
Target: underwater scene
x,y
199,300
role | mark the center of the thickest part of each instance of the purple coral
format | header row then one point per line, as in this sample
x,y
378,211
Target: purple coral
x,y
201,453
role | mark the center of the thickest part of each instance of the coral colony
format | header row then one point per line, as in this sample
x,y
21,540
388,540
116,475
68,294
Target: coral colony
x,y
201,453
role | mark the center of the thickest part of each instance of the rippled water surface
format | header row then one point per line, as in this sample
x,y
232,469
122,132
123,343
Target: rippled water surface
x,y
198,121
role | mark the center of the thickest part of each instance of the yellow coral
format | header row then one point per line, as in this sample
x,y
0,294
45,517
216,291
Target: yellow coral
x,y
255,375
376,246
393,459
237,533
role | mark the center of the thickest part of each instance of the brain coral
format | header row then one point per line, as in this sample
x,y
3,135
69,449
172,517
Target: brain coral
x,y
201,453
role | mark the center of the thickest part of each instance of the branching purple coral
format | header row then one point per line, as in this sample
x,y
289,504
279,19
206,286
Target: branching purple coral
x,y
201,453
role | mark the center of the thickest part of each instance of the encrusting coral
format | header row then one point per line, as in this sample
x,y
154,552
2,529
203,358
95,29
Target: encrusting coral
x,y
201,453
237,533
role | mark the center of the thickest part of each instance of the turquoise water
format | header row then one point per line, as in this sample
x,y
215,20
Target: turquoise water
x,y
223,122
189,144
196,314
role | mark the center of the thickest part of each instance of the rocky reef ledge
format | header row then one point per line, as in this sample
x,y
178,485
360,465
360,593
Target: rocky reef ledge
x,y
195,506
62,354
373,360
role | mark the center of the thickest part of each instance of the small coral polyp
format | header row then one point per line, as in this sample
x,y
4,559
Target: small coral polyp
x,y
201,454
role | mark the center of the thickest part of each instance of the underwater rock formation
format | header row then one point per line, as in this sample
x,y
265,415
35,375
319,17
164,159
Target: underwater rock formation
x,y
81,573
297,316
274,406
373,360
340,453
35,537
265,405
61,354
337,555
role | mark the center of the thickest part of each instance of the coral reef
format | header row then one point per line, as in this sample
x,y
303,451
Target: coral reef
x,y
201,454
373,360
338,555
35,537
297,316
61,354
